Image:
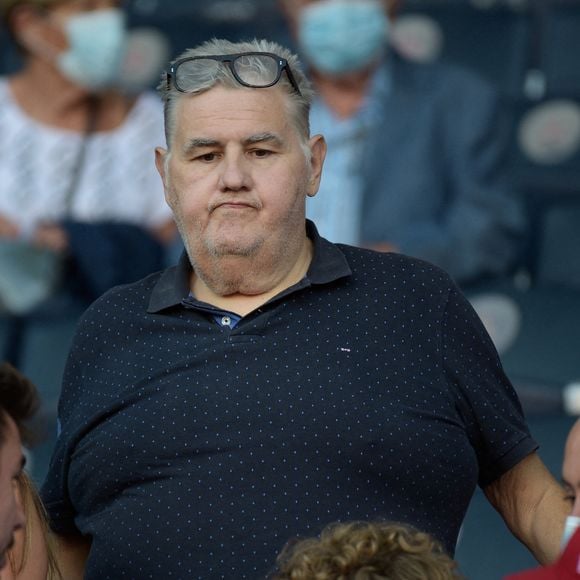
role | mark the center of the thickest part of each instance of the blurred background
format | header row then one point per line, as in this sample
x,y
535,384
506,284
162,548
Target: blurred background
x,y
529,50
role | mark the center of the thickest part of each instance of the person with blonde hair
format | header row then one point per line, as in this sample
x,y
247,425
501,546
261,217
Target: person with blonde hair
x,y
367,551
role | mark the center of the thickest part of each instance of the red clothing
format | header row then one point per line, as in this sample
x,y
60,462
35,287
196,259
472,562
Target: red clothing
x,y
566,568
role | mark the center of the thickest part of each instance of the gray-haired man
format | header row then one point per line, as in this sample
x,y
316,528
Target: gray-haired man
x,y
273,382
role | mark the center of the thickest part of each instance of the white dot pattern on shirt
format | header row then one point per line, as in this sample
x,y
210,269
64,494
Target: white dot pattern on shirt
x,y
200,450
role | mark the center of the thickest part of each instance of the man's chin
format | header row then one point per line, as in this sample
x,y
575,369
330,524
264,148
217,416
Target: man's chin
x,y
240,246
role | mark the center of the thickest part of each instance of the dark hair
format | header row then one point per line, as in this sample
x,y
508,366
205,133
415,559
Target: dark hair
x,y
18,400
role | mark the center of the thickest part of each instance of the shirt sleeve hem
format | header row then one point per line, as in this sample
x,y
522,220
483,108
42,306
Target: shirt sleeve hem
x,y
518,452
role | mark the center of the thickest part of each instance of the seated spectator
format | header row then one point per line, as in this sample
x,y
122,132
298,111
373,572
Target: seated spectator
x,y
366,551
568,566
81,205
416,152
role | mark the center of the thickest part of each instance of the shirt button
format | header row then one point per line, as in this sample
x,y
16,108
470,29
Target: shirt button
x,y
226,320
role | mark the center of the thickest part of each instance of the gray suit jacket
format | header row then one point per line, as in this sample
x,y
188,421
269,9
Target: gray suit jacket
x,y
436,183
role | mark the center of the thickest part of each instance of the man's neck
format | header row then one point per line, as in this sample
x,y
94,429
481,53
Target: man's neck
x,y
254,285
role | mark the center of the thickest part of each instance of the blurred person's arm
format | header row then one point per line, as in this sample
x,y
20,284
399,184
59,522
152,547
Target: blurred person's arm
x,y
533,506
8,229
54,236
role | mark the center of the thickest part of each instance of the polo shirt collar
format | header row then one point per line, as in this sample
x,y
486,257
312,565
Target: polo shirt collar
x,y
328,264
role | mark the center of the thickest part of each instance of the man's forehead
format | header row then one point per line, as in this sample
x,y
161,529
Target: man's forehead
x,y
223,108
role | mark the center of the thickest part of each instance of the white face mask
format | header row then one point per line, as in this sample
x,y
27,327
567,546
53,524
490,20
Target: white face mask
x,y
97,42
572,524
345,36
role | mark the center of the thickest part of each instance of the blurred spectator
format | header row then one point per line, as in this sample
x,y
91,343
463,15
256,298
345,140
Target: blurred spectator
x,y
366,551
81,205
415,151
568,566
18,402
30,555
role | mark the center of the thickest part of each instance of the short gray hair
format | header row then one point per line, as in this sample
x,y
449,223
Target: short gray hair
x,y
299,104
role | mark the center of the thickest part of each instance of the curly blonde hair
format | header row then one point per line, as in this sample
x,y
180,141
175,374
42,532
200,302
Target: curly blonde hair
x,y
366,551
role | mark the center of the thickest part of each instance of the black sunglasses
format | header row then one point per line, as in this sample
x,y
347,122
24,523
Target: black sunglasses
x,y
251,69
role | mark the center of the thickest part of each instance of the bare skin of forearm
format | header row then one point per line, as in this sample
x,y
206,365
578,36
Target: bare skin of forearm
x,y
532,504
8,229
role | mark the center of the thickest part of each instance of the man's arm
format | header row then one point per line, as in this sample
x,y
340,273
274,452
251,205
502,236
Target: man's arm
x,y
532,504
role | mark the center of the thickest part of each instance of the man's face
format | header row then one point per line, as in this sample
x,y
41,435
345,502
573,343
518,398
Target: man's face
x,y
11,514
237,176
571,468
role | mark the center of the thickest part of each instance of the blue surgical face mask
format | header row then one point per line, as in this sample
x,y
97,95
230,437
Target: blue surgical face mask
x,y
572,524
341,36
97,42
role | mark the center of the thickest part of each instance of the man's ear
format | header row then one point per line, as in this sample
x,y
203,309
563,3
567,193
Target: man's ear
x,y
161,158
317,145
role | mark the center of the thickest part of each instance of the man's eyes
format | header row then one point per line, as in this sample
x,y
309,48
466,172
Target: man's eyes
x,y
213,156
207,157
261,152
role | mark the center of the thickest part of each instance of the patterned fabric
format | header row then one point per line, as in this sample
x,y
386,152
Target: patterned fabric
x,y
192,450
118,181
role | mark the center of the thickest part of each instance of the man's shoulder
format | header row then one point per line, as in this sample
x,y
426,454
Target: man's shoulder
x,y
129,298
368,265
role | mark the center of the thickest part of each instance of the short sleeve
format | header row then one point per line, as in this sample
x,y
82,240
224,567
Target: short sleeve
x,y
487,401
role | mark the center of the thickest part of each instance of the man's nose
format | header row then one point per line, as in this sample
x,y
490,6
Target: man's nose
x,y
235,173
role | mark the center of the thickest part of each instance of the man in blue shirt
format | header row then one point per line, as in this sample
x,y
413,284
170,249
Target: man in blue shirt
x,y
416,152
273,382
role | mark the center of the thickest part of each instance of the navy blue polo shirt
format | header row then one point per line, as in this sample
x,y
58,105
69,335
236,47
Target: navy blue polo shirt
x,y
190,449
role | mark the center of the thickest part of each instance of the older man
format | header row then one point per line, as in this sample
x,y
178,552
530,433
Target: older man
x,y
416,152
273,382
